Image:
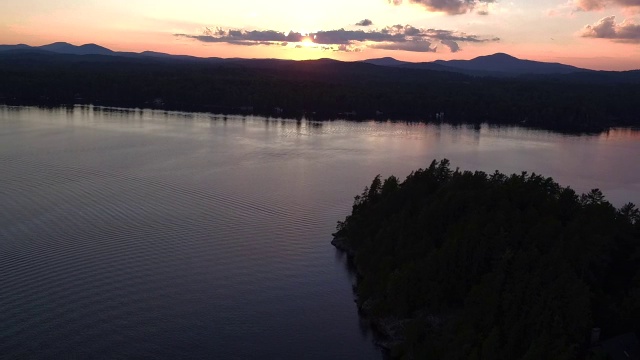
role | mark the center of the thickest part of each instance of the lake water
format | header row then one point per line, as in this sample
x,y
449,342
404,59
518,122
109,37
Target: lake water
x,y
139,233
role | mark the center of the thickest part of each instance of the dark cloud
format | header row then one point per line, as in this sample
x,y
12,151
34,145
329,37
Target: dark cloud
x,y
411,31
591,5
607,28
343,48
451,7
343,36
241,37
365,22
415,46
396,37
455,36
452,45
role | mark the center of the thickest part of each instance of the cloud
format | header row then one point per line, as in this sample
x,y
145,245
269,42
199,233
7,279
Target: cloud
x,y
594,5
451,7
570,8
396,37
343,36
590,5
607,28
452,45
414,46
365,22
242,37
456,36
343,48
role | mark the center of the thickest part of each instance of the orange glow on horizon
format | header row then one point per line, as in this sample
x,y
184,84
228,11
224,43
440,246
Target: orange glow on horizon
x,y
133,26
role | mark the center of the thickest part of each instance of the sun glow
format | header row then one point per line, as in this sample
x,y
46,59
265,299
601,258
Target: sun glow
x,y
307,42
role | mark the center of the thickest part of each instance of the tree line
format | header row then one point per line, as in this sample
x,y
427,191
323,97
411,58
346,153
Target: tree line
x,y
319,90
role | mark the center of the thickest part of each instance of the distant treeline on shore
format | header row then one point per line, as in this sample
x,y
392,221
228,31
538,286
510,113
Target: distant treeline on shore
x,y
319,90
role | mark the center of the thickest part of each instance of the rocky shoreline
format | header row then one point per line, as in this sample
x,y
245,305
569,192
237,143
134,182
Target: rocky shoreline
x,y
389,330
342,244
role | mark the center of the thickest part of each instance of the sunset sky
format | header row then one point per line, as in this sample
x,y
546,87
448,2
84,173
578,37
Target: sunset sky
x,y
597,34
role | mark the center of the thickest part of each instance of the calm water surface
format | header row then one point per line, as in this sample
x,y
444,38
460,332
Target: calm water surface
x,y
133,234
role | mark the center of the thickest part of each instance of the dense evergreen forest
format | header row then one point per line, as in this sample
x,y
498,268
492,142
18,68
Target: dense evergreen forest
x,y
470,265
319,89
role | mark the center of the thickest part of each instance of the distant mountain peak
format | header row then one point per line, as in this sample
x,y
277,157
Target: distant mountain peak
x,y
501,63
503,55
86,49
385,61
94,46
59,43
497,57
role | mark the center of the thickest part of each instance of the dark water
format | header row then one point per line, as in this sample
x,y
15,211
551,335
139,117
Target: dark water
x,y
138,234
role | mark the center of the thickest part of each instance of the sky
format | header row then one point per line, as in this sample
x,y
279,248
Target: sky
x,y
595,34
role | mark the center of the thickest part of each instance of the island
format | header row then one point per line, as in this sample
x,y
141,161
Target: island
x,y
457,264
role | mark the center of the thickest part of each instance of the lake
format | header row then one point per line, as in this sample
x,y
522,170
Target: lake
x,y
139,233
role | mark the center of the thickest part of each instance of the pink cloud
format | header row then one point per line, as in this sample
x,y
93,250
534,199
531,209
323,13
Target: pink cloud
x,y
607,28
595,5
451,7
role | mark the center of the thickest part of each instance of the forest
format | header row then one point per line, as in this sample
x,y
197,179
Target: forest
x,y
457,264
319,90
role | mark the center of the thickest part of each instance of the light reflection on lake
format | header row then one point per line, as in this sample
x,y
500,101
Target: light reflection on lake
x,y
140,233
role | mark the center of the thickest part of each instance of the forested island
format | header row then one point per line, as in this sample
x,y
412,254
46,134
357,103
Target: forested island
x,y
324,89
456,264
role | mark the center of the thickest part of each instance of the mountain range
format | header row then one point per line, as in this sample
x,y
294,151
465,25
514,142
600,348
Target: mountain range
x,y
496,64
499,64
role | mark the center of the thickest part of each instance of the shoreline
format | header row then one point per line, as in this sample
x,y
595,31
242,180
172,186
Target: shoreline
x,y
301,114
389,331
